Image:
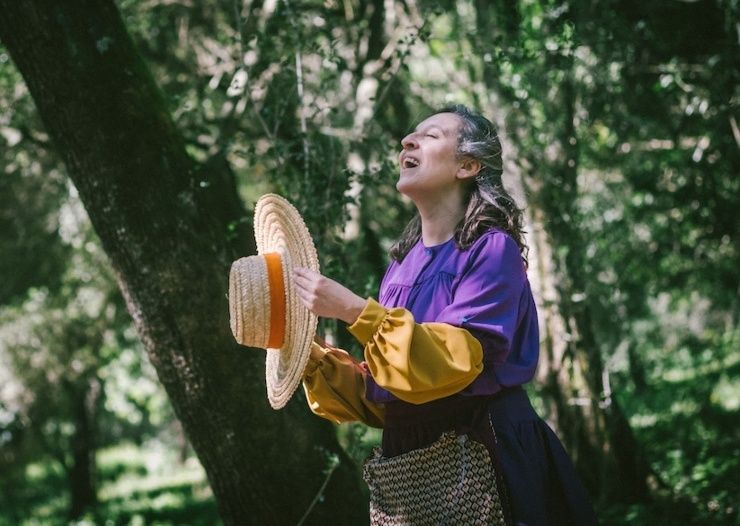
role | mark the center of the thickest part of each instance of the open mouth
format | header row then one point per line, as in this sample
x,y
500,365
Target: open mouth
x,y
409,162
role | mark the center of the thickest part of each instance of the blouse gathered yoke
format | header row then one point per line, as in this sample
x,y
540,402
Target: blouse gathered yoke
x,y
448,321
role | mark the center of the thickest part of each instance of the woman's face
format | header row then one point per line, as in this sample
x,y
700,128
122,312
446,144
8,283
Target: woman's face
x,y
428,160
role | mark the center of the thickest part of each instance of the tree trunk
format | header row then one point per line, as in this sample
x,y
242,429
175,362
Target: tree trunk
x,y
617,467
83,494
165,225
591,424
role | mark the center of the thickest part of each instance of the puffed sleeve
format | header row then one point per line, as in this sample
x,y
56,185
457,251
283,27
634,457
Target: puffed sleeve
x,y
420,362
417,362
334,384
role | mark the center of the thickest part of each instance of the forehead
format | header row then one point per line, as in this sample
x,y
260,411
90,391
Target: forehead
x,y
448,122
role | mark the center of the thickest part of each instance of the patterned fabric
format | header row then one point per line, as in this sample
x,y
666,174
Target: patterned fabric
x,y
452,482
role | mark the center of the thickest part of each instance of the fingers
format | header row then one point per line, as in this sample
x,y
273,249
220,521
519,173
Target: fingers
x,y
321,295
304,286
305,279
306,273
310,284
306,297
306,289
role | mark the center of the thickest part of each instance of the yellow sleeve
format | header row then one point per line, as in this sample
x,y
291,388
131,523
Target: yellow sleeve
x,y
417,362
334,384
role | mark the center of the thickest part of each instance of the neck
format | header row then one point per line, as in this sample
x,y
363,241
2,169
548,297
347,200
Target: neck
x,y
439,217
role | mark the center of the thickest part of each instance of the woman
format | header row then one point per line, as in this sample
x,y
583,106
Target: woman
x,y
454,334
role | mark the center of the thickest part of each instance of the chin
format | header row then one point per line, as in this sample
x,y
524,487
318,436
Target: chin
x,y
404,186
407,188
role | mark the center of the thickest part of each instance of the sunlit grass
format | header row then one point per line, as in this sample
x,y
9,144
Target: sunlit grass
x,y
685,424
145,485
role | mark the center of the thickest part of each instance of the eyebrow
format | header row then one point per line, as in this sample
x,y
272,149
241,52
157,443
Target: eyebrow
x,y
440,128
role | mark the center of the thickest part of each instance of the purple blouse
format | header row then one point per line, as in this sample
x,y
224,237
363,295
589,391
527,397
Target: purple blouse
x,y
483,289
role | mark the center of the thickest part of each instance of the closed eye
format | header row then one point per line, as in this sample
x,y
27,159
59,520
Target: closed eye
x,y
431,135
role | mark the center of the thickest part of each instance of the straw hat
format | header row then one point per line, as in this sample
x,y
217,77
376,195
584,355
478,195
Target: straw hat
x,y
264,307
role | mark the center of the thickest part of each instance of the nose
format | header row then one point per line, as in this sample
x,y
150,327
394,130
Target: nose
x,y
409,142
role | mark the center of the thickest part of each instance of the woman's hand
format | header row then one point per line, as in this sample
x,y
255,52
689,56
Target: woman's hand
x,y
325,297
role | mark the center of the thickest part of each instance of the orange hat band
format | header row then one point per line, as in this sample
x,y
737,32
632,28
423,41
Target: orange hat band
x,y
277,300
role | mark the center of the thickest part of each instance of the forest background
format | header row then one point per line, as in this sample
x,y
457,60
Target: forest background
x,y
136,136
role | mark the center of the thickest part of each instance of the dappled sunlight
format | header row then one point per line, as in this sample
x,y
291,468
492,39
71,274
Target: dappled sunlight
x,y
619,137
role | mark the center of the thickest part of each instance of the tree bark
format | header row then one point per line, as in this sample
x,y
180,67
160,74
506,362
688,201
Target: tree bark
x,y
82,476
592,426
604,435
169,229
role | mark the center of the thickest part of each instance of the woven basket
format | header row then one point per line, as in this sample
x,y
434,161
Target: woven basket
x,y
451,482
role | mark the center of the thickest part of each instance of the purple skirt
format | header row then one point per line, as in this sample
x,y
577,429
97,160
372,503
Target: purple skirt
x,y
542,486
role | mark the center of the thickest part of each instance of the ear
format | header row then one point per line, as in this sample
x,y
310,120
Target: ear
x,y
468,168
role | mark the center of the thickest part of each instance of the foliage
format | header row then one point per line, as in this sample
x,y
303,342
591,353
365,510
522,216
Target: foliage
x,y
138,485
71,346
32,252
310,98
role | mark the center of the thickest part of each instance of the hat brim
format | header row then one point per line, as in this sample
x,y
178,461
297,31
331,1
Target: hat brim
x,y
278,227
